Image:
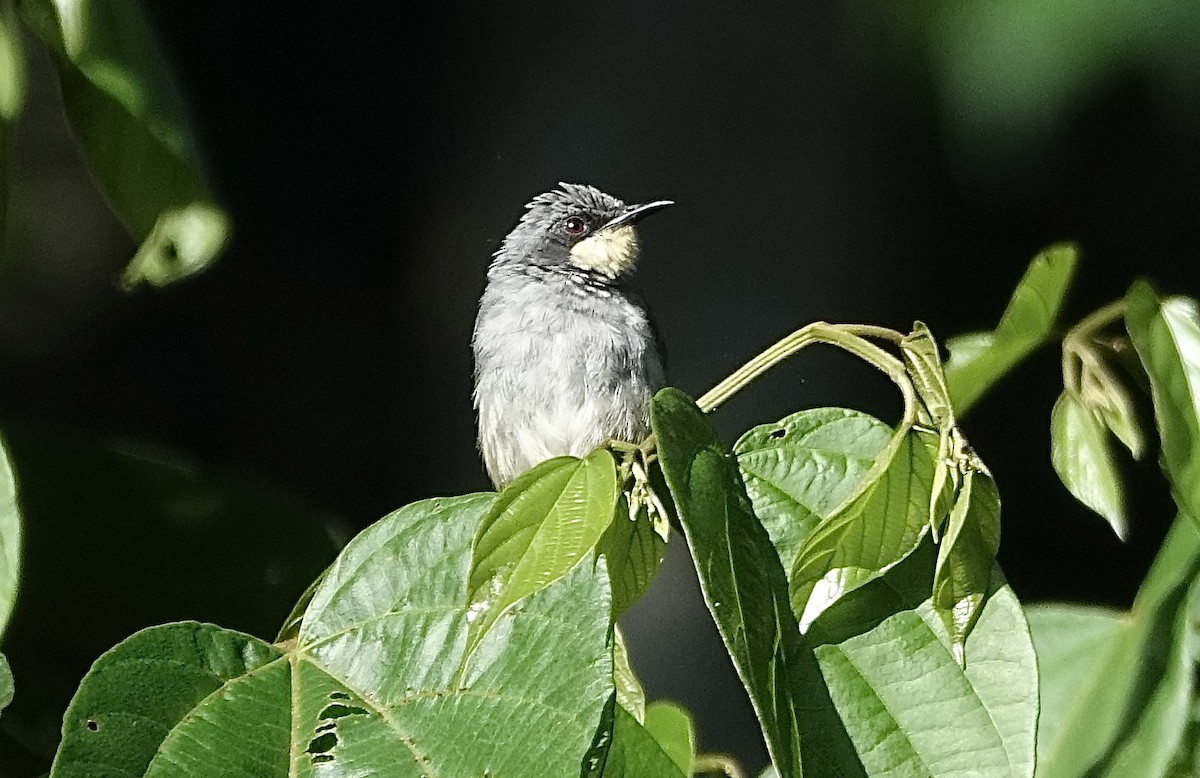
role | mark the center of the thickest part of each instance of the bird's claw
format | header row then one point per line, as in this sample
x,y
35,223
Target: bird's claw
x,y
634,469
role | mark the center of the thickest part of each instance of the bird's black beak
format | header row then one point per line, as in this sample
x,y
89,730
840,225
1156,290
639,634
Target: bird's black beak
x,y
635,212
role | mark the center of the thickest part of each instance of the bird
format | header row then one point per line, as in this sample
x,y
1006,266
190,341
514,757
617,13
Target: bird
x,y
566,356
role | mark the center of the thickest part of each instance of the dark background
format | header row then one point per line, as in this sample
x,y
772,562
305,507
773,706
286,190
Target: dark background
x,y
846,162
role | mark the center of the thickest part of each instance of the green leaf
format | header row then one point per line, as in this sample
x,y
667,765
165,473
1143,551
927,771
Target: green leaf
x,y
634,551
637,752
12,100
1082,456
630,694
967,557
912,710
1132,707
10,539
1166,335
878,527
372,684
803,467
745,589
671,725
6,684
130,121
978,360
540,526
1071,641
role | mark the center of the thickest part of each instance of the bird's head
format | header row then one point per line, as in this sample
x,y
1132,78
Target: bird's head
x,y
577,227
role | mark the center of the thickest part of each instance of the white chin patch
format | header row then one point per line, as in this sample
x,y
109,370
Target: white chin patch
x,y
610,253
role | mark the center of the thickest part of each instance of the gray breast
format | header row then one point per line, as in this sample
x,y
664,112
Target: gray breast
x,y
561,366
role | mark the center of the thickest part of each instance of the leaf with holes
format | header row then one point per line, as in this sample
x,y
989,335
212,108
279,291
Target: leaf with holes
x,y
1166,334
880,525
540,526
129,119
800,469
980,359
373,684
1081,453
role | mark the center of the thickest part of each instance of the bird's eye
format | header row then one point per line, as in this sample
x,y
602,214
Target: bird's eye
x,y
575,225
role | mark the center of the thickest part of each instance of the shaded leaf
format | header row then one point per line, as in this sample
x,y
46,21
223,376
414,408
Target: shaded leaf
x,y
1166,335
745,589
539,527
978,360
1131,709
1071,641
800,469
878,527
372,685
966,557
634,551
630,694
911,709
1082,456
129,119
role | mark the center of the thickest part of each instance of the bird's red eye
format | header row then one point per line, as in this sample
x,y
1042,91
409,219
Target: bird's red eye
x,y
575,225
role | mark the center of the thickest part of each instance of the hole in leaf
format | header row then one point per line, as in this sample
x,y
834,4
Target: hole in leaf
x,y
779,433
336,711
93,725
170,252
339,696
321,745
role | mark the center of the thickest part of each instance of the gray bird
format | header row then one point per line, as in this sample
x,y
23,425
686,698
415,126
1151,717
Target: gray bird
x,y
565,356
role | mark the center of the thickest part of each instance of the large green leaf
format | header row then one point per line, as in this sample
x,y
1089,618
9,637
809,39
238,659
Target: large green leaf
x,y
880,525
10,539
1166,335
372,685
1130,710
1081,452
540,526
129,119
1071,641
800,469
745,589
980,359
911,709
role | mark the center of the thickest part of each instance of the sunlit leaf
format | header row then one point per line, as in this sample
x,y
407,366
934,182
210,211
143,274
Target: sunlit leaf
x,y
540,526
630,694
911,709
1129,711
637,752
372,685
671,725
1166,335
745,589
6,684
979,360
12,100
1082,456
130,121
803,467
877,528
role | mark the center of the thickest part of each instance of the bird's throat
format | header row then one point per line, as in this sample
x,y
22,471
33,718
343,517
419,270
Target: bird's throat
x,y
610,253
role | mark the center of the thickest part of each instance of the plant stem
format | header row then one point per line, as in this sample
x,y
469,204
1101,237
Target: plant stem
x,y
1079,350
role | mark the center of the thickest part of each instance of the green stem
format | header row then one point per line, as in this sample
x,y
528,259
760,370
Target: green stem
x,y
704,764
848,337
1079,348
